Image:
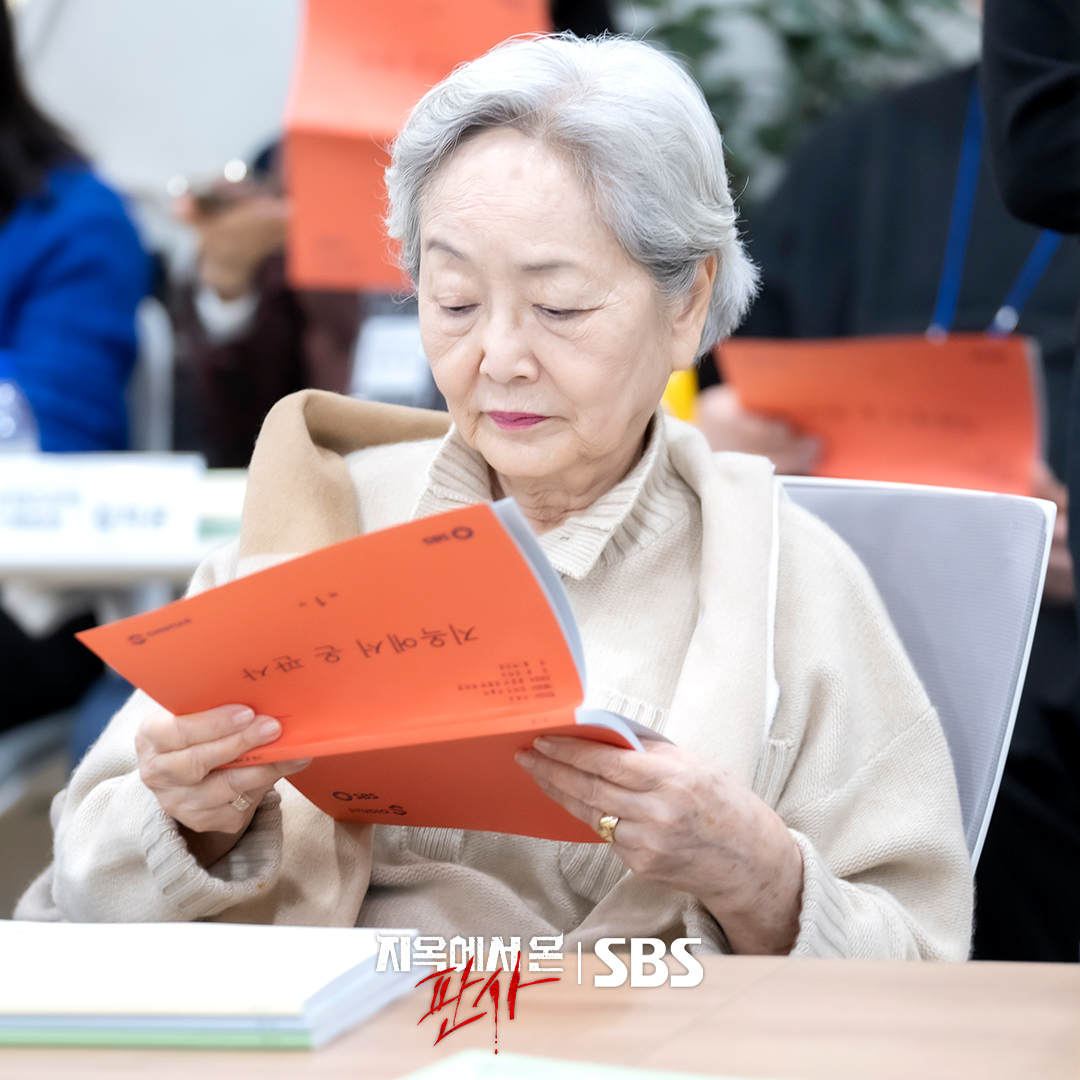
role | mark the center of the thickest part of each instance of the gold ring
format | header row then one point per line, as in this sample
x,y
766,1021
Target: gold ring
x,y
240,804
608,824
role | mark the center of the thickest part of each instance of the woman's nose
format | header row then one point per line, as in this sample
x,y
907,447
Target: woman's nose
x,y
506,351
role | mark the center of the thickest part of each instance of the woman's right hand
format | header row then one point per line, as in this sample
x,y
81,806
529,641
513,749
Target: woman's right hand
x,y
236,238
728,426
180,759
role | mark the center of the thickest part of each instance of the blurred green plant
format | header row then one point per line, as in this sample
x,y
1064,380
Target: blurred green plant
x,y
818,56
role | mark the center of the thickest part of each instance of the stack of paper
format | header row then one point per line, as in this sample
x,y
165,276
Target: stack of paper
x,y
188,984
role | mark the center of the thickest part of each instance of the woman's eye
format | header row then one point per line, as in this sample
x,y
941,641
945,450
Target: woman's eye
x,y
559,313
458,309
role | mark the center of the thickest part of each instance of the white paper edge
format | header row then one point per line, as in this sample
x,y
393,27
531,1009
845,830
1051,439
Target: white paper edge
x,y
513,520
772,686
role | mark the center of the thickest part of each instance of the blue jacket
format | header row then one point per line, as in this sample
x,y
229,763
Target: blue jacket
x,y
72,271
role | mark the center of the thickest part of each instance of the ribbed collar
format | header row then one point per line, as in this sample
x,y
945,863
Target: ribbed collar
x,y
641,507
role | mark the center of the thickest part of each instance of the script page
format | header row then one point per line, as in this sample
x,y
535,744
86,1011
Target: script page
x,y
961,412
438,625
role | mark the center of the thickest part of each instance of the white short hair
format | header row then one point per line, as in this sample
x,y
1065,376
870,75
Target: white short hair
x,y
638,131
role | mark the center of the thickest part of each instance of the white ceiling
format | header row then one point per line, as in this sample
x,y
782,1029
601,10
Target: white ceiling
x,y
156,88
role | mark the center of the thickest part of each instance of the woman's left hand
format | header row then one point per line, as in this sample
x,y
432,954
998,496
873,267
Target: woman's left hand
x,y
692,827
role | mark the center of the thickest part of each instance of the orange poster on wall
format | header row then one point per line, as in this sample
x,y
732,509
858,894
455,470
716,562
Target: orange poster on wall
x,y
411,663
961,412
362,66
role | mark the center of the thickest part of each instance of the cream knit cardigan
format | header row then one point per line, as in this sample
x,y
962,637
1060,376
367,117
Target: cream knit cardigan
x,y
853,758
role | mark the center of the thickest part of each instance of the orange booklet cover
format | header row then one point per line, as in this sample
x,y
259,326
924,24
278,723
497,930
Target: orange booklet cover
x,y
411,663
961,412
361,66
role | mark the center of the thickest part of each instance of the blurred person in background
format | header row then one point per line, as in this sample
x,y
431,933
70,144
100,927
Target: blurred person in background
x,y
245,337
853,243
1031,84
72,272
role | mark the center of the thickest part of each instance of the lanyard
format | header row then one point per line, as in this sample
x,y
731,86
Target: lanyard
x,y
963,209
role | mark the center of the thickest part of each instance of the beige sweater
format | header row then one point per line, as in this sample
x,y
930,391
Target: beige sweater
x,y
669,578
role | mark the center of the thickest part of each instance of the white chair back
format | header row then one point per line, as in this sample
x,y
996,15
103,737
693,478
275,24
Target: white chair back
x,y
150,389
961,574
23,750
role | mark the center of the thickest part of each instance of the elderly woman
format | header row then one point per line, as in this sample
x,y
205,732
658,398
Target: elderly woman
x,y
563,210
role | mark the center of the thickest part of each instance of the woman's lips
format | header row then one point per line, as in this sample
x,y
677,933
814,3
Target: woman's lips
x,y
514,421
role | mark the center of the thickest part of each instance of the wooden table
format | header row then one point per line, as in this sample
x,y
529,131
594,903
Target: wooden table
x,y
750,1017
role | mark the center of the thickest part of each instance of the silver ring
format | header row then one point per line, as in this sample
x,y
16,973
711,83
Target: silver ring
x,y
240,804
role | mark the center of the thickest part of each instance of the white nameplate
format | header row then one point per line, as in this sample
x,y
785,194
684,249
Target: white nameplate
x,y
99,509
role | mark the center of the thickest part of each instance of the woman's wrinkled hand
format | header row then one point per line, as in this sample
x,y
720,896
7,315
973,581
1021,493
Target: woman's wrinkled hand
x,y
180,759
688,825
728,426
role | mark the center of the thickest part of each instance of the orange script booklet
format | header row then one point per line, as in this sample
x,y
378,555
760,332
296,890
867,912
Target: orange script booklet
x,y
411,663
361,66
961,412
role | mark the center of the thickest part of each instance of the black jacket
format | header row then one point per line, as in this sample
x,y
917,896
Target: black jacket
x,y
1031,89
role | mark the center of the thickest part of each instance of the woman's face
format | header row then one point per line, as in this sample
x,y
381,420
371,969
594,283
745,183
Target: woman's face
x,y
551,346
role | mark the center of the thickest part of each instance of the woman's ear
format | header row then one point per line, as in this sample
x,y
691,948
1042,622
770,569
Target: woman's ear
x,y
690,316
